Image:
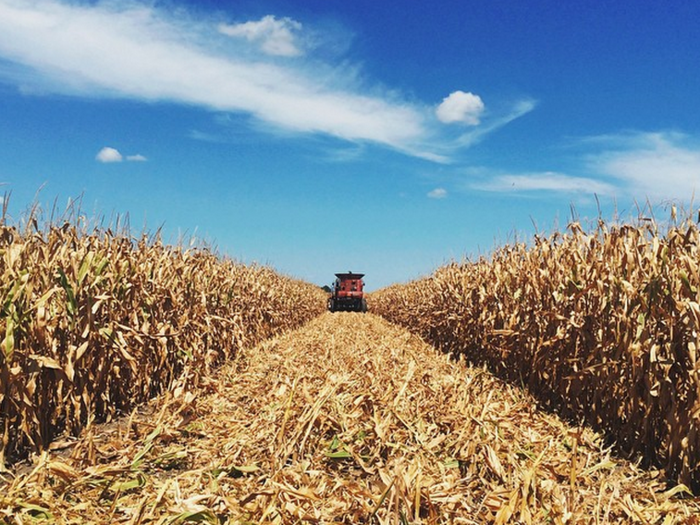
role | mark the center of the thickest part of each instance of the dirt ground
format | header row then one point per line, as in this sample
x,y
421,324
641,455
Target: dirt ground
x,y
346,420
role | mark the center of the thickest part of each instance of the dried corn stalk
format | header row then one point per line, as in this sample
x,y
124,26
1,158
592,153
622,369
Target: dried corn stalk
x,y
602,326
93,324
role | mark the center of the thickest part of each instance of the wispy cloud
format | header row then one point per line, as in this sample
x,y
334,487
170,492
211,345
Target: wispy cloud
x,y
519,108
275,36
132,49
136,158
658,166
545,182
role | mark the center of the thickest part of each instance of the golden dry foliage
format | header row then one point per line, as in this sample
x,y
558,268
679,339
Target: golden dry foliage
x,y
91,325
348,419
603,327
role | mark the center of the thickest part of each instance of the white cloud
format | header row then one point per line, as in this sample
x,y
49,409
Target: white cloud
x,y
133,49
276,37
437,193
545,181
658,166
460,107
108,154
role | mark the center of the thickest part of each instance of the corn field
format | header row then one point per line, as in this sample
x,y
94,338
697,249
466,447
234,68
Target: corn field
x,y
602,327
92,324
346,420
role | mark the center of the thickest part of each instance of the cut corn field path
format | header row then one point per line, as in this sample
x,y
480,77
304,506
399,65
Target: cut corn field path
x,y
348,419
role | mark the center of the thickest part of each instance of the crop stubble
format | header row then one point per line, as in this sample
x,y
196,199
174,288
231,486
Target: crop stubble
x,y
346,420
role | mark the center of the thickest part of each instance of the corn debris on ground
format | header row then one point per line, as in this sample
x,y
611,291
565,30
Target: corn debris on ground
x,y
346,420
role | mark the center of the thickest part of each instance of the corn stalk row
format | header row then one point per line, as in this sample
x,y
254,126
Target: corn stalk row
x,y
600,326
91,325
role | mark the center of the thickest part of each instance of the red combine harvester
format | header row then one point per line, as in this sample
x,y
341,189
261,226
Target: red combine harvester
x,y
347,294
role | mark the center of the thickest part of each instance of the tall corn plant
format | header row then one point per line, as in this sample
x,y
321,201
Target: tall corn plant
x,y
603,327
93,324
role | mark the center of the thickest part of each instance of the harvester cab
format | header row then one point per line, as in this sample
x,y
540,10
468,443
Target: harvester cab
x,y
347,294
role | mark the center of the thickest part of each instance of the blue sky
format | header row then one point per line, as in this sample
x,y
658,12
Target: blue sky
x,y
324,136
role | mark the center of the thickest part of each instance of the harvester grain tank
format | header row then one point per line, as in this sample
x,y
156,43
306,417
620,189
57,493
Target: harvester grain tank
x,y
347,294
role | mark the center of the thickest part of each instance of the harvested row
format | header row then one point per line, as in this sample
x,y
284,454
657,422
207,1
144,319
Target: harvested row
x,y
92,325
347,420
602,327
